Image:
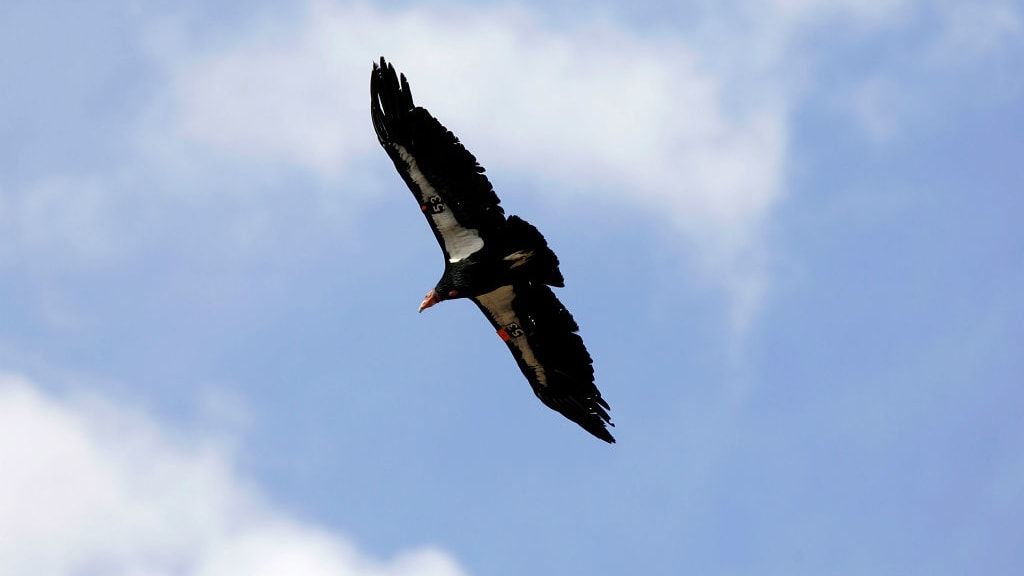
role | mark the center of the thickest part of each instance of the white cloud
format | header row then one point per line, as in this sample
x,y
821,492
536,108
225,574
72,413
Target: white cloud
x,y
693,128
53,216
90,487
593,109
960,43
972,30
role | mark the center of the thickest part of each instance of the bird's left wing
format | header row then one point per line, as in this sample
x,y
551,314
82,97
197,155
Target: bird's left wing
x,y
543,339
450,187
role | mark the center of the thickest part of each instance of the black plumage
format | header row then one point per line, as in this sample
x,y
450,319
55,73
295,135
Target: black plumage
x,y
503,264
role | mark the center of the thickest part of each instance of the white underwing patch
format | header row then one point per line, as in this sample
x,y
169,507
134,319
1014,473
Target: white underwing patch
x,y
519,257
460,242
498,303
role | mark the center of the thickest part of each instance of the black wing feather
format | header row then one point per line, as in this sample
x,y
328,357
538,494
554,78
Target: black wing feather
x,y
567,384
452,171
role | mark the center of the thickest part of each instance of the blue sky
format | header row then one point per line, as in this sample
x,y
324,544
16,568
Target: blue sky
x,y
789,232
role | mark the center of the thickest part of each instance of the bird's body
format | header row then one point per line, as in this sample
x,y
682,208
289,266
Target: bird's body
x,y
503,264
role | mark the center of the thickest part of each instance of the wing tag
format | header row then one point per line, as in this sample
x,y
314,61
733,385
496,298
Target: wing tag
x,y
511,330
434,205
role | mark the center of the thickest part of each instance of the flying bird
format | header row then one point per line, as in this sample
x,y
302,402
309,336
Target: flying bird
x,y
502,264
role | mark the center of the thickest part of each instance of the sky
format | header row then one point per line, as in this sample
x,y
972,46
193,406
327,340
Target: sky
x,y
790,235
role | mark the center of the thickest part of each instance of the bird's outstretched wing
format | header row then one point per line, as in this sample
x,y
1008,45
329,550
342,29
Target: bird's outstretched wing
x,y
542,336
450,187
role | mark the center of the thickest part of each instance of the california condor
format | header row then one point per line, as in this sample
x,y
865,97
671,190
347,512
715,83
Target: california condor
x,y
502,264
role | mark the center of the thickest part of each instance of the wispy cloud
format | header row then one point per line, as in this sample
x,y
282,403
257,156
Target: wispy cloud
x,y
693,128
93,487
944,47
978,29
590,110
59,219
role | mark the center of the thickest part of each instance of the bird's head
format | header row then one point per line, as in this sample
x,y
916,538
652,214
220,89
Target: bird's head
x,y
460,280
437,294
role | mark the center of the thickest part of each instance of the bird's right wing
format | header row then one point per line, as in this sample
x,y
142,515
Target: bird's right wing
x,y
460,205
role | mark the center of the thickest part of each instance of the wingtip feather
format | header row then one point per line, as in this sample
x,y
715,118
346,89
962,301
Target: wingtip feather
x,y
602,433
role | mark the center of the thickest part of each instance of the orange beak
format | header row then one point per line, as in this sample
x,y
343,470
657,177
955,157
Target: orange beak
x,y
429,300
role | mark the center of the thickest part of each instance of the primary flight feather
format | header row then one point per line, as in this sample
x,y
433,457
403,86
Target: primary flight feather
x,y
502,264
